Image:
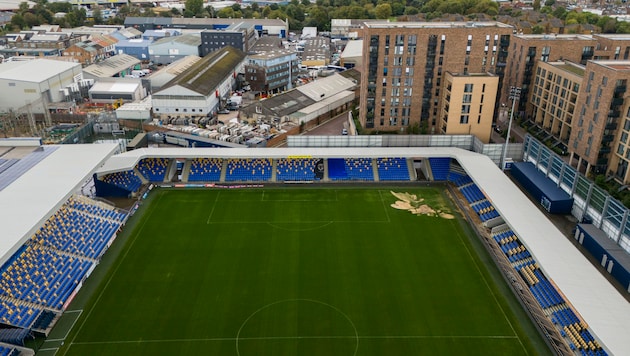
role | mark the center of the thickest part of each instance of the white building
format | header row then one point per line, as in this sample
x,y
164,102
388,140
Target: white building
x,y
200,89
108,90
36,83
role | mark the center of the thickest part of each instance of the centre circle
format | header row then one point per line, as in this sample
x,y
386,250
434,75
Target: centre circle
x,y
297,327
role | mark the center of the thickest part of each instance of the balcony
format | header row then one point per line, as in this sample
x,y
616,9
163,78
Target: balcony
x,y
607,138
616,102
603,151
611,126
614,113
620,89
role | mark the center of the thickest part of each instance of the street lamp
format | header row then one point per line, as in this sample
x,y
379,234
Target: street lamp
x,y
515,93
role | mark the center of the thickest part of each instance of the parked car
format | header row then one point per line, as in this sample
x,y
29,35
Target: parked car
x,y
344,132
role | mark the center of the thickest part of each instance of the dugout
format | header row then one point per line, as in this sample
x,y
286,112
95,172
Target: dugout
x,y
610,255
541,188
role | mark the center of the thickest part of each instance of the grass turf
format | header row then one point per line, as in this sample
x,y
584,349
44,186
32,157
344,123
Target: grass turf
x,y
297,272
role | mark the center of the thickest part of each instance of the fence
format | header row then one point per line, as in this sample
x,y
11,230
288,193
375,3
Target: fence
x,y
607,213
466,142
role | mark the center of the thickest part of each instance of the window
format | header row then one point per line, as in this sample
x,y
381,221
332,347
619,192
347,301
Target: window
x,y
468,88
465,109
463,119
467,98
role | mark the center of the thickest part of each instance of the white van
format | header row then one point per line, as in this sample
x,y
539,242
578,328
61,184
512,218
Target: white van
x,y
138,73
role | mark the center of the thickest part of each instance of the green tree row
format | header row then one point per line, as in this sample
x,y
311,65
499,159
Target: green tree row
x,y
318,13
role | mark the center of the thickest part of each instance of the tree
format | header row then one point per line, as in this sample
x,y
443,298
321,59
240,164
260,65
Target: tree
x,y
194,6
536,5
18,22
537,30
383,11
97,16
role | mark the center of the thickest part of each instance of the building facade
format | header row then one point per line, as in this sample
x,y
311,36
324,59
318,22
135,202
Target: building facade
x,y
405,63
527,50
601,102
271,72
553,98
468,104
584,110
241,35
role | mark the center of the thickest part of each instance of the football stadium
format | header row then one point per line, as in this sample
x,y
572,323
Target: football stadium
x,y
288,251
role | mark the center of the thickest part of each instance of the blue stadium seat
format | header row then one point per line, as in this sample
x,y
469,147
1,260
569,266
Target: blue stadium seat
x,y
127,180
440,168
296,169
153,169
205,170
392,169
248,170
340,169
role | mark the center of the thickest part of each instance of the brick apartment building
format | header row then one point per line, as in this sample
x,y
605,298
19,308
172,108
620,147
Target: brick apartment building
x,y
586,107
527,50
405,64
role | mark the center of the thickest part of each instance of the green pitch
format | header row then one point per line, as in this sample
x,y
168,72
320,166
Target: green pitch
x,y
299,272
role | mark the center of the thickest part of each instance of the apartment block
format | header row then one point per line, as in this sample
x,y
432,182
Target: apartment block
x,y
468,104
585,107
405,64
553,98
527,50
601,102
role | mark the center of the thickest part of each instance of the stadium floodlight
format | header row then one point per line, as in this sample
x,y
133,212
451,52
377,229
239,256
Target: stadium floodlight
x,y
515,93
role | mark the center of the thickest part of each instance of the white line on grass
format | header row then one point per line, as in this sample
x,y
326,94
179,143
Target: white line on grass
x,y
80,311
491,291
214,204
384,206
111,276
300,222
322,337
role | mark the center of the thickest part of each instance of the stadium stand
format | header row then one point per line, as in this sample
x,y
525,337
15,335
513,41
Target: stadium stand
x,y
15,336
47,269
392,169
205,170
8,351
127,180
43,276
256,169
296,169
19,315
440,168
153,169
340,169
550,300
44,320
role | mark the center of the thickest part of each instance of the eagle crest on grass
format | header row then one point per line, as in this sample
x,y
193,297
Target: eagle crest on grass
x,y
416,206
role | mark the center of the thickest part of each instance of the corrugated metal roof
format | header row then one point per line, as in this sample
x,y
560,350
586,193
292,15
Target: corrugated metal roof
x,y
111,66
205,75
